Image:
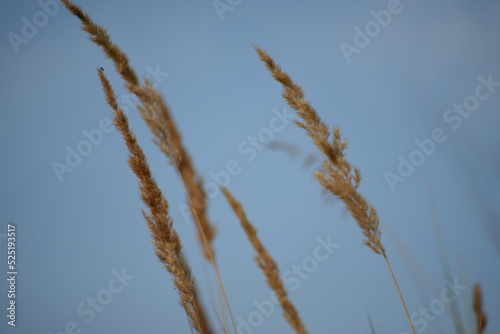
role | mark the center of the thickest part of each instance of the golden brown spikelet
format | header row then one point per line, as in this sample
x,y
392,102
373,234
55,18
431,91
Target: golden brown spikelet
x,y
168,247
268,266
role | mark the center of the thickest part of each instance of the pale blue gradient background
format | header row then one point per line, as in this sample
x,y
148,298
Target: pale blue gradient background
x,y
72,234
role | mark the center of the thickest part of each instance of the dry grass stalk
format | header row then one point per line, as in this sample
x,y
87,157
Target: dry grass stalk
x,y
268,266
339,177
157,115
168,247
477,305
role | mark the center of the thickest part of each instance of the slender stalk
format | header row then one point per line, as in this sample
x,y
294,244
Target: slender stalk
x,y
400,294
212,261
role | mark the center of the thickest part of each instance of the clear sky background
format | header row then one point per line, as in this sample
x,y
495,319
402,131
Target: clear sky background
x,y
77,231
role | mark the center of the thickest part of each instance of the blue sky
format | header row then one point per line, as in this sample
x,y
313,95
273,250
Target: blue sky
x,y
416,94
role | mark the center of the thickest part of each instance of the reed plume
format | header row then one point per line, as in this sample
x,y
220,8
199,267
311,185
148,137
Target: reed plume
x,y
268,265
168,246
477,305
339,176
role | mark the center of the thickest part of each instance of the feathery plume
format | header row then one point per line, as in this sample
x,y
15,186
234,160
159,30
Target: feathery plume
x,y
168,247
339,177
268,265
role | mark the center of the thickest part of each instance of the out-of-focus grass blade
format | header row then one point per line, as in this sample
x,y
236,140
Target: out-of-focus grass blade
x,y
372,328
455,311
